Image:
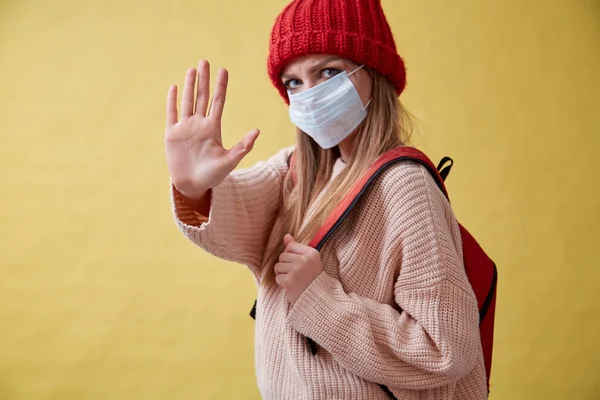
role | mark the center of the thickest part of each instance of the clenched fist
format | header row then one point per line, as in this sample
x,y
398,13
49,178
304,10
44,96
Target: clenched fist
x,y
298,266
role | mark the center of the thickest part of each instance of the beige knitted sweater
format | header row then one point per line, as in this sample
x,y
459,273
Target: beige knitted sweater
x,y
393,306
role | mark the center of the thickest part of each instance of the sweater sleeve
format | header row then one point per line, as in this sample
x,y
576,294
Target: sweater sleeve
x,y
434,340
243,209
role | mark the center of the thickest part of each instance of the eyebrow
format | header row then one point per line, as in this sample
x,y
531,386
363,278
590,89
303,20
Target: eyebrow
x,y
314,67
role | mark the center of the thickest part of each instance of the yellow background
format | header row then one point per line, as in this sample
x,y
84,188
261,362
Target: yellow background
x,y
102,298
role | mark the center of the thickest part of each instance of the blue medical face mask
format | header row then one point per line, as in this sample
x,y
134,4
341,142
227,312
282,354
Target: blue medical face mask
x,y
330,111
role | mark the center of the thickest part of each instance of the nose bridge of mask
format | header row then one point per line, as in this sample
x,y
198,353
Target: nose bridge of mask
x,y
321,113
316,92
322,87
318,105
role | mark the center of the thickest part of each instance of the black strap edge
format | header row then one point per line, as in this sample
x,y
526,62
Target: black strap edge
x,y
312,345
443,161
388,392
445,171
490,296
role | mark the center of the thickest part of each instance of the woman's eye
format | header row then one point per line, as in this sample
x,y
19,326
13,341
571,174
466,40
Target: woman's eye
x,y
330,72
292,84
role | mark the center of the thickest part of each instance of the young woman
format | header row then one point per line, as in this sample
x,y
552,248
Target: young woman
x,y
385,302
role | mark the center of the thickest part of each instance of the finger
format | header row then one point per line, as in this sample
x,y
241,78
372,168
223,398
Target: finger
x,y
203,90
280,279
218,101
172,106
287,239
297,248
288,257
240,150
187,99
282,268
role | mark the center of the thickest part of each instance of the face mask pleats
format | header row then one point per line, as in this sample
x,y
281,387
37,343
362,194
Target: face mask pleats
x,y
328,112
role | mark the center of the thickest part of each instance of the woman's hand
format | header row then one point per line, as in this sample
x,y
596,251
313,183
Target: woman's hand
x,y
196,158
298,266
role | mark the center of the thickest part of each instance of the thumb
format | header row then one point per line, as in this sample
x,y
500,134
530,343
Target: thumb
x,y
287,239
240,150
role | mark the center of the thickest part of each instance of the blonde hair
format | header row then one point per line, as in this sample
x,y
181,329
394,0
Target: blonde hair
x,y
387,125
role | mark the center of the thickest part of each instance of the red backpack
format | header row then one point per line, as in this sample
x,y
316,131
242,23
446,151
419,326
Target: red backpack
x,y
481,270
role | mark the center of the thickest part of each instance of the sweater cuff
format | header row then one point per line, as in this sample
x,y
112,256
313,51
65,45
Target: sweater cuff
x,y
184,212
312,307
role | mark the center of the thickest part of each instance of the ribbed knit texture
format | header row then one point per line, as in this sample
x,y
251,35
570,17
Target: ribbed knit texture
x,y
393,305
353,29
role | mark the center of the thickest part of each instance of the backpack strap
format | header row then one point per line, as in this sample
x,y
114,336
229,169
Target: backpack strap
x,y
361,187
445,170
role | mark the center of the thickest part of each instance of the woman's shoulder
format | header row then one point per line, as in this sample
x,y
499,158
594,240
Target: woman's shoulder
x,y
407,184
406,174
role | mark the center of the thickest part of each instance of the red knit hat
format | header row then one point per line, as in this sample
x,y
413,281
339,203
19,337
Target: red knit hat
x,y
353,29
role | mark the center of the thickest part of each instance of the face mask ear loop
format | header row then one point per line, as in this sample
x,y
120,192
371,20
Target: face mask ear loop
x,y
369,102
356,70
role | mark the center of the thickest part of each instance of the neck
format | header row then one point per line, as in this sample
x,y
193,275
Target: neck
x,y
347,147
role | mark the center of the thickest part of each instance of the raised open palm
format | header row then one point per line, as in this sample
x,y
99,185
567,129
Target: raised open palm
x,y
196,157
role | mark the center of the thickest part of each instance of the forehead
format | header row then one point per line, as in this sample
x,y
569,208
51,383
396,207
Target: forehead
x,y
306,62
